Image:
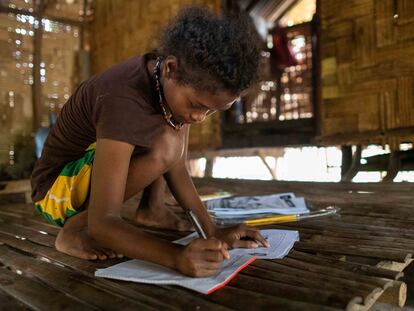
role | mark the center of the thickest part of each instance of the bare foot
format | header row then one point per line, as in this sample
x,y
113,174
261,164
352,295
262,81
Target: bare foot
x,y
77,243
161,217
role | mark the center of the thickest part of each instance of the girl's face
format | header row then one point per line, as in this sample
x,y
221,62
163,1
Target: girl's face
x,y
188,105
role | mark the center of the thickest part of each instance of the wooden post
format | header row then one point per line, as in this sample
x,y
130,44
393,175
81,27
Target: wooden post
x,y
316,70
394,164
262,157
355,164
208,172
346,159
83,57
37,57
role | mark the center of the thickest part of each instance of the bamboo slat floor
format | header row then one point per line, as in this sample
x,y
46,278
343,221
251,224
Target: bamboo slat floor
x,y
340,263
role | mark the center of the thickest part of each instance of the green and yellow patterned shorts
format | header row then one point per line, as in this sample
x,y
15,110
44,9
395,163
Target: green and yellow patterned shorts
x,y
70,190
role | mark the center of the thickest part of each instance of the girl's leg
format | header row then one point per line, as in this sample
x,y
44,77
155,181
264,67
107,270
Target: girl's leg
x,y
153,212
73,238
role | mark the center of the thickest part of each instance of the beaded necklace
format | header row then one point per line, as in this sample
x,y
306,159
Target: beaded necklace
x,y
166,113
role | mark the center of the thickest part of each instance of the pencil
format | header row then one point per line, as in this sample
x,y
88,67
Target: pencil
x,y
194,221
271,220
329,210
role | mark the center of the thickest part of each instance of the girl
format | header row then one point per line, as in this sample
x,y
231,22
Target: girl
x,y
126,129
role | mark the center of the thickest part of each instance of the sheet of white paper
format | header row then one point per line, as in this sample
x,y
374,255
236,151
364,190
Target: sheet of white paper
x,y
281,242
150,273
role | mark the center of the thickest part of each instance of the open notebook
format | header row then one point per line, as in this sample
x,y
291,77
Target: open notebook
x,y
281,241
150,273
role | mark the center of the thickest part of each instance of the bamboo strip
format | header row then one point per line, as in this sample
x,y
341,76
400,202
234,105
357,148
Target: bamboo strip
x,y
24,233
310,295
322,281
346,265
73,284
259,301
8,303
362,236
36,295
394,266
350,228
181,298
363,242
28,222
335,272
364,251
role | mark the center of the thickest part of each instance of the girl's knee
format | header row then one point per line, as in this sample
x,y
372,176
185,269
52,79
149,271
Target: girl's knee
x,y
168,147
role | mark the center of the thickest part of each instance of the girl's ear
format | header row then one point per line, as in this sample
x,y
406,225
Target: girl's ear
x,y
170,67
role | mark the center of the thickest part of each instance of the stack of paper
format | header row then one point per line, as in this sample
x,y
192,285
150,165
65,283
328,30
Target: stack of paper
x,y
237,209
281,241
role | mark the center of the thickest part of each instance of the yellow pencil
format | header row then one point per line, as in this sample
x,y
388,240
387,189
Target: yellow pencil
x,y
271,220
330,210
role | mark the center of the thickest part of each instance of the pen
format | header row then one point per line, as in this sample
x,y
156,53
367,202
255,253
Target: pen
x,y
194,221
271,220
330,210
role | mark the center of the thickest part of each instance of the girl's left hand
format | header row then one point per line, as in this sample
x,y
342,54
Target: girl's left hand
x,y
241,236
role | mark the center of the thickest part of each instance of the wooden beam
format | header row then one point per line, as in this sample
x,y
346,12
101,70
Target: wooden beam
x,y
365,137
273,140
288,126
241,152
68,21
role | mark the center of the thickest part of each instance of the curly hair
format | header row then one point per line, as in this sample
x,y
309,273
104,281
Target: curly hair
x,y
213,52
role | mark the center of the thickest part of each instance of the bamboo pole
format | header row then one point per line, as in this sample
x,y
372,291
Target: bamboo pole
x,y
395,295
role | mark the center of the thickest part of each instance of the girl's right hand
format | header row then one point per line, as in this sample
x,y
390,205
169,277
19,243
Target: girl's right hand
x,y
202,258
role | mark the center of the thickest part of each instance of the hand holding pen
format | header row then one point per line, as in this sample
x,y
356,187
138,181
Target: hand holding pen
x,y
201,257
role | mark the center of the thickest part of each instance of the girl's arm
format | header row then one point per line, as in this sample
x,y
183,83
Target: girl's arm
x,y
109,179
182,187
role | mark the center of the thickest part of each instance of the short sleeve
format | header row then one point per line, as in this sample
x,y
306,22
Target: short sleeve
x,y
127,119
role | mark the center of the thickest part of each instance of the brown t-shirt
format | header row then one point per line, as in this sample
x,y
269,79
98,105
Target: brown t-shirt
x,y
119,103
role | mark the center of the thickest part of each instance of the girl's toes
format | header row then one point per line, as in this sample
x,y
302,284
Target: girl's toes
x,y
83,254
91,256
110,253
101,255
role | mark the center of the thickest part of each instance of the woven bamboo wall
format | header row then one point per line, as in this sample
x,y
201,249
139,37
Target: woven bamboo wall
x,y
367,60
123,28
